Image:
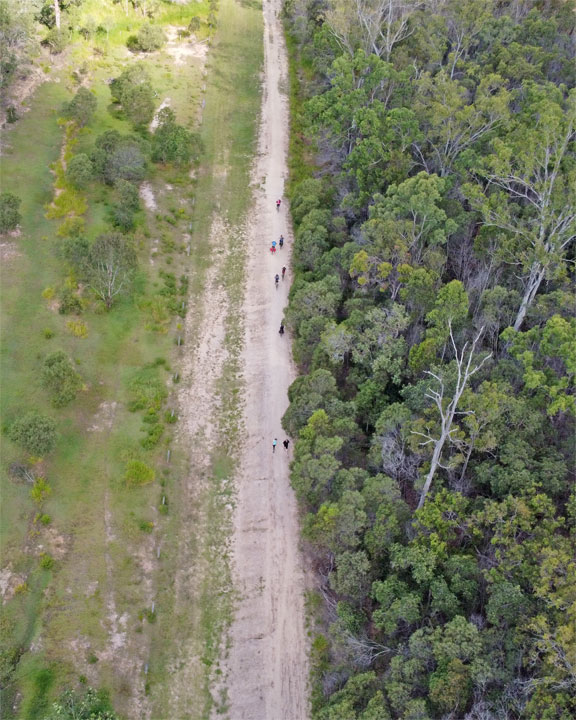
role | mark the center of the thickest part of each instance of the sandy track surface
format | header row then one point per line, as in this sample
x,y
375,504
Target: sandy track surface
x,y
267,665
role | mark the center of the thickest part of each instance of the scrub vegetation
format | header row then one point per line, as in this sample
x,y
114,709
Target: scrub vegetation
x,y
432,314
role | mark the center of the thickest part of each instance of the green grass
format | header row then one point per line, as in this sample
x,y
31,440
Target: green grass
x,y
68,603
86,471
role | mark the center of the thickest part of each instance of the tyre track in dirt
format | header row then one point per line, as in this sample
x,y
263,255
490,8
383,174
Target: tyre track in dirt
x,y
267,665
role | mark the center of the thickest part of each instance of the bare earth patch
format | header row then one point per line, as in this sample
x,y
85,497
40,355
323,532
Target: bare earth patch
x,y
202,364
182,49
9,251
104,418
9,581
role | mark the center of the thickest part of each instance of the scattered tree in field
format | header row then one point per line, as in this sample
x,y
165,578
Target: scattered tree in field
x,y
126,204
34,432
60,378
82,107
148,39
80,171
110,266
194,24
9,212
133,91
57,40
172,143
119,157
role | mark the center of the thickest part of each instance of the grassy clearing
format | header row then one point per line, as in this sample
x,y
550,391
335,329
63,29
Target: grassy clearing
x,y
101,535
86,579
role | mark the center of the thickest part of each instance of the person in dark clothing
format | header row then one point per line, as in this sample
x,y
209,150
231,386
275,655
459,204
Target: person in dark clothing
x,y
286,443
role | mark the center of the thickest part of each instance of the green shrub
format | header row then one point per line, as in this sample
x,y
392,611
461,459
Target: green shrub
x,y
57,40
72,227
34,432
116,156
82,107
9,212
46,561
138,473
70,303
146,526
68,202
146,390
194,24
80,171
45,519
152,439
172,143
132,89
60,378
148,39
48,334
40,491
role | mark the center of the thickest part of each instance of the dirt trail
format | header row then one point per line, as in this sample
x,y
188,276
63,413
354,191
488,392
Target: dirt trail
x,y
267,665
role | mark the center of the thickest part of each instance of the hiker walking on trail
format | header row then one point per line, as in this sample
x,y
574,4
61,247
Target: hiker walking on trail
x,y
274,443
281,331
286,443
283,272
281,241
274,243
276,279
278,203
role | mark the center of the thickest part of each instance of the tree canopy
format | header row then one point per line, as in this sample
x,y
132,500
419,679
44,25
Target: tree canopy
x,y
433,327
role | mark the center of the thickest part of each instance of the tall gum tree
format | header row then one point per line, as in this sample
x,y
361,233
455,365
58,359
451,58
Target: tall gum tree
x,y
529,191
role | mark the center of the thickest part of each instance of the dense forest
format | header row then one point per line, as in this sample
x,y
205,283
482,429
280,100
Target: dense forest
x,y
434,202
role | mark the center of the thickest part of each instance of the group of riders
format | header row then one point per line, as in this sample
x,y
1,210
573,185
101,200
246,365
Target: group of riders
x,y
273,250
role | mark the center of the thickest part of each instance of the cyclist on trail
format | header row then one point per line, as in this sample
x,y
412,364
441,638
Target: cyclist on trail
x,y
283,272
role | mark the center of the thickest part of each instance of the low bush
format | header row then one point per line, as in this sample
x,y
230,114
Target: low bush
x,y
148,39
46,561
70,303
34,432
60,378
40,491
77,328
9,212
138,473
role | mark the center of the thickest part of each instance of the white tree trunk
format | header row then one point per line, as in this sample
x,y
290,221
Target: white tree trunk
x,y
57,13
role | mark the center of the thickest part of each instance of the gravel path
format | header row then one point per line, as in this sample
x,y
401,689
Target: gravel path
x,y
267,666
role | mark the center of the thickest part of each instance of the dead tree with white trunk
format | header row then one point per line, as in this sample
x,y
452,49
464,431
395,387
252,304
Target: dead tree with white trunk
x,y
447,405
375,26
